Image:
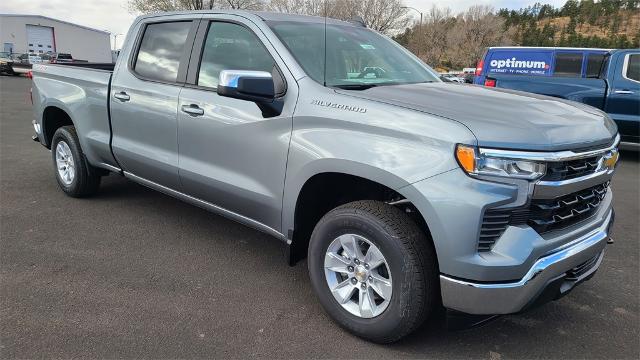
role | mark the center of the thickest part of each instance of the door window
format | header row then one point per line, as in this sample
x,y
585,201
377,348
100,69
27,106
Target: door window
x,y
632,67
231,47
568,64
161,47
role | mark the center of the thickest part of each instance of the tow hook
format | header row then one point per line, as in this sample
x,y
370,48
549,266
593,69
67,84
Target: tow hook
x,y
610,227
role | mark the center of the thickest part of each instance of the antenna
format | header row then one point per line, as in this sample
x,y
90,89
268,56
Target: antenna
x,y
325,43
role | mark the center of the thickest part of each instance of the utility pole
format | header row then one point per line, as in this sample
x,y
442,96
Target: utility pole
x,y
115,41
419,27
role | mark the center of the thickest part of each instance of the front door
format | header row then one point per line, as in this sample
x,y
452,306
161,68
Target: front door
x,y
144,102
230,155
623,101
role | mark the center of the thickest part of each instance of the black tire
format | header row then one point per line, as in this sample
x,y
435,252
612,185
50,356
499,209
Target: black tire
x,y
410,257
86,180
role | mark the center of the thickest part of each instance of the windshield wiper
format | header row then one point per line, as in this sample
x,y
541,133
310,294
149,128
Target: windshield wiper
x,y
355,86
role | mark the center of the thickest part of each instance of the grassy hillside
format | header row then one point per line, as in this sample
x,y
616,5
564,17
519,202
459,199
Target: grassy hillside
x,y
606,23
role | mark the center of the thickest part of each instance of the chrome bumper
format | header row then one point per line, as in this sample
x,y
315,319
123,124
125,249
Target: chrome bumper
x,y
506,298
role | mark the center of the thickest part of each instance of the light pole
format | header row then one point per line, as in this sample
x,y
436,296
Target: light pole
x,y
419,27
115,41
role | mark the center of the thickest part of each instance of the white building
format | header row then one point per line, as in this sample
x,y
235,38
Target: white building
x,y
38,34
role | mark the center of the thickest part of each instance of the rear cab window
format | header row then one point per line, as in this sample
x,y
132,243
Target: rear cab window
x,y
568,64
595,62
160,49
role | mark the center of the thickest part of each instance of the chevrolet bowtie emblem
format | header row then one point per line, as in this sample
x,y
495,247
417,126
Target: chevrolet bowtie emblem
x,y
611,158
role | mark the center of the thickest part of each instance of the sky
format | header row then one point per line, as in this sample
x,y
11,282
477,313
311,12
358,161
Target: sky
x,y
113,15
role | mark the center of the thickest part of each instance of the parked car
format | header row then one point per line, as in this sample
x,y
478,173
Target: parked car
x,y
402,199
6,63
61,58
20,63
606,79
468,78
453,78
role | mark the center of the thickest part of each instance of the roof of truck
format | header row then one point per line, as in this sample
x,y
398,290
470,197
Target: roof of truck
x,y
263,15
549,48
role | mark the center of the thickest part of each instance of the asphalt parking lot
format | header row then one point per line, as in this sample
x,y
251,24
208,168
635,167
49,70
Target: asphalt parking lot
x,y
134,273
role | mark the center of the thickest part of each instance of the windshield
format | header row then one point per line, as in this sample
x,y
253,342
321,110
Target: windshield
x,y
356,57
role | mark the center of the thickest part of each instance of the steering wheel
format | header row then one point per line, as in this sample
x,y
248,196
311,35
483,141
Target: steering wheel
x,y
371,70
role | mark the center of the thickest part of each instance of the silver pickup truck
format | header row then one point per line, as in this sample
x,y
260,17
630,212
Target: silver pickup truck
x,y
406,194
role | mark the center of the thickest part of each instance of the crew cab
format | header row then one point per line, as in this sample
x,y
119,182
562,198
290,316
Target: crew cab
x,y
606,79
347,148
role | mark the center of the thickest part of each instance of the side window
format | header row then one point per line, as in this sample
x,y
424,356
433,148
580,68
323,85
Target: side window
x,y
633,67
231,47
160,50
594,65
568,64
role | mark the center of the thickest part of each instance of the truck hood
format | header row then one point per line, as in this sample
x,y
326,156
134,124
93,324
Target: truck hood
x,y
503,118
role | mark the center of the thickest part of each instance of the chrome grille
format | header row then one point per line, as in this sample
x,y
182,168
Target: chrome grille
x,y
565,170
548,215
542,215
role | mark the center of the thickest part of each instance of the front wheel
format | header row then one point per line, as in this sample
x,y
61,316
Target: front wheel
x,y
76,177
373,269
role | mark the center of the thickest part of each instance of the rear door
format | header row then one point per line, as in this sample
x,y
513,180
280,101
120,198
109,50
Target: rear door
x,y
230,154
623,100
144,99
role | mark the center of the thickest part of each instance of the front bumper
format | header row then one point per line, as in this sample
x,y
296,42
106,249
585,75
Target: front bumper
x,y
6,68
550,277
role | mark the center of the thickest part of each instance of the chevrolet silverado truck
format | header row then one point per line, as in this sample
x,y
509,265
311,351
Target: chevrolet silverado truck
x,y
603,78
406,194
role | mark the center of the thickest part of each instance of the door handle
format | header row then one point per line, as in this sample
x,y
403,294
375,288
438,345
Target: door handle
x,y
623,92
193,110
122,96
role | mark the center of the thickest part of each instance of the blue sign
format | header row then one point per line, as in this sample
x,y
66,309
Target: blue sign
x,y
520,62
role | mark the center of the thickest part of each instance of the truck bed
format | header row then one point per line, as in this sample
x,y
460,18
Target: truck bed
x,y
83,93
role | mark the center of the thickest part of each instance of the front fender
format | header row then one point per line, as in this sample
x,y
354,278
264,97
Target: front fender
x,y
389,145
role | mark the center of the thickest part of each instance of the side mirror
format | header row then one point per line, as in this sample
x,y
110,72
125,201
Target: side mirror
x,y
255,86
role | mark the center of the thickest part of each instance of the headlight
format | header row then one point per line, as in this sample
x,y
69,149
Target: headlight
x,y
476,164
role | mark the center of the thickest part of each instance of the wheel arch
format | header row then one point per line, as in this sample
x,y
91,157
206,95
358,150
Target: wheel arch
x,y
322,191
54,117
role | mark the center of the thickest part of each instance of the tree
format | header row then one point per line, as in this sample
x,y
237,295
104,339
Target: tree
x,y
149,6
385,16
431,42
476,29
243,4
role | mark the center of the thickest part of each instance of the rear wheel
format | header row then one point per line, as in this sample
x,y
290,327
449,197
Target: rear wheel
x,y
373,269
74,174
